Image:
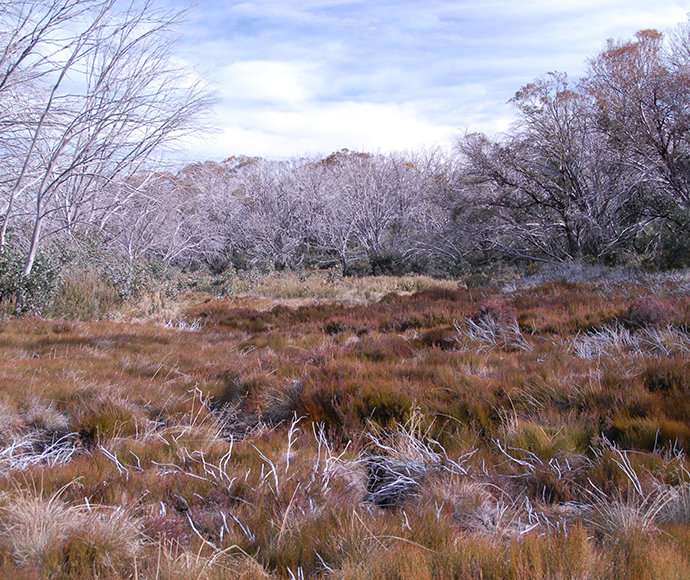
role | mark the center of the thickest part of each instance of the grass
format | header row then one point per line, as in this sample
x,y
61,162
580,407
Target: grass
x,y
536,431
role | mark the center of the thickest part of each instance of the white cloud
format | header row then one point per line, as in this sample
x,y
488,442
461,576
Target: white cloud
x,y
299,76
323,128
267,81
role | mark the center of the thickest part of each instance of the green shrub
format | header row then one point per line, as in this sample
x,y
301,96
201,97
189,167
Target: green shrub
x,y
31,294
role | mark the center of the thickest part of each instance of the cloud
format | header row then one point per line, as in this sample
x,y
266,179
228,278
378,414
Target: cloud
x,y
263,81
319,75
324,128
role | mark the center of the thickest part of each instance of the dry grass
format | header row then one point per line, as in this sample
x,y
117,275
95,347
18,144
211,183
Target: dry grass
x,y
384,428
50,535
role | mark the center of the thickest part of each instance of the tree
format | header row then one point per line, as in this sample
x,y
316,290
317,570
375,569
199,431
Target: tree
x,y
276,214
163,220
220,204
104,97
557,188
641,88
379,199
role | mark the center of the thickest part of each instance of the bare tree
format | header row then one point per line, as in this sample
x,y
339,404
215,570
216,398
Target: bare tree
x,y
27,42
220,211
379,199
163,220
642,91
108,97
556,187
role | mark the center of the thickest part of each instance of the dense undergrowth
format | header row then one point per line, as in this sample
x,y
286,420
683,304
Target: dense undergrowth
x,y
535,431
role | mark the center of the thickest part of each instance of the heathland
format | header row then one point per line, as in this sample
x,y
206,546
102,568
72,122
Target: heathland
x,y
321,427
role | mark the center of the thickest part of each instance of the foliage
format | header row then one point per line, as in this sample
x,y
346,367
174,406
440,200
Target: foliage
x,y
20,294
649,310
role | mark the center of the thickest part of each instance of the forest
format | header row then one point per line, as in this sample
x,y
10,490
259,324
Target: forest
x,y
468,363
592,171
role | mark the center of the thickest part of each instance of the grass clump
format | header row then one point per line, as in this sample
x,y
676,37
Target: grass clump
x,y
58,539
439,431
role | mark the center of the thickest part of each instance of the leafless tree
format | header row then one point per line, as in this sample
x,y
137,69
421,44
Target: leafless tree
x,y
317,211
642,91
556,188
222,207
161,220
379,200
107,97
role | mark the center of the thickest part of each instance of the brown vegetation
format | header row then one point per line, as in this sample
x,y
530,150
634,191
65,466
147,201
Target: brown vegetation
x,y
533,432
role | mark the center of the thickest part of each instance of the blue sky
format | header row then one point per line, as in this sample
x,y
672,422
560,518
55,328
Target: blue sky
x,y
314,76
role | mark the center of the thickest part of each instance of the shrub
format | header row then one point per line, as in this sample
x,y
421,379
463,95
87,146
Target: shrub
x,y
438,293
443,338
494,324
268,443
650,311
31,294
84,295
496,312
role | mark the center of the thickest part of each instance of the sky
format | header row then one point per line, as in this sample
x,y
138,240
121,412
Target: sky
x,y
309,77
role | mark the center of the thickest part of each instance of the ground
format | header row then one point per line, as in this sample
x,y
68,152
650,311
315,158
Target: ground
x,y
425,430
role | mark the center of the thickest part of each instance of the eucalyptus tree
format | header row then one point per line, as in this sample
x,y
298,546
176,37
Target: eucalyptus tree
x,y
221,208
107,96
275,214
312,185
334,227
379,201
28,49
556,188
164,220
641,88
445,228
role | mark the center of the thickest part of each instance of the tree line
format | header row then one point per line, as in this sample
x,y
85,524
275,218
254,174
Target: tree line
x,y
597,169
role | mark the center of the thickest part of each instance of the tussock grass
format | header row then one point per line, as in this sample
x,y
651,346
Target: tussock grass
x,y
51,536
617,340
380,428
